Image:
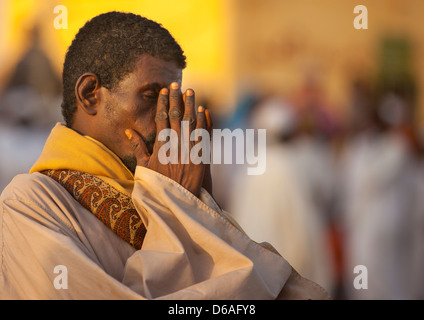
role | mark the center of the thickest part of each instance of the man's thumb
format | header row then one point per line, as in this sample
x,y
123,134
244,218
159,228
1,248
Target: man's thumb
x,y
139,147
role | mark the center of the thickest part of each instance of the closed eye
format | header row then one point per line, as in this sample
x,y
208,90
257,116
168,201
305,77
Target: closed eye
x,y
151,95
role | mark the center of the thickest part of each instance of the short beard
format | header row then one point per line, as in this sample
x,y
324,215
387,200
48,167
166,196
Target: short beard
x,y
130,161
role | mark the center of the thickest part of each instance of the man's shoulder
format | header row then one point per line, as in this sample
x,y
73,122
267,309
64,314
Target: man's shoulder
x,y
39,198
28,186
36,192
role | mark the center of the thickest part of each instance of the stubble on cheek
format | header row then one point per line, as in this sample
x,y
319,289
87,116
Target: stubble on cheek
x,y
130,161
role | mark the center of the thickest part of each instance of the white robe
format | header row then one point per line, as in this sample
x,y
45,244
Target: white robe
x,y
277,208
382,202
191,249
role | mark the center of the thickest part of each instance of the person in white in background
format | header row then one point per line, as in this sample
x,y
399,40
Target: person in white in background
x,y
277,206
381,196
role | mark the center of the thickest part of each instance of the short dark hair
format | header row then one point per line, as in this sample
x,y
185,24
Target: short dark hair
x,y
109,45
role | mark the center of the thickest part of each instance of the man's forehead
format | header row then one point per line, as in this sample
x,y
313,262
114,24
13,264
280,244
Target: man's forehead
x,y
152,69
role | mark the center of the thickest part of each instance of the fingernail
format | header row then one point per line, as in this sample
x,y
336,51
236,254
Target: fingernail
x,y
175,85
189,92
200,109
164,91
128,134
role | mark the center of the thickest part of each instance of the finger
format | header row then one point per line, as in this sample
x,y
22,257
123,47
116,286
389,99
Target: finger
x,y
139,147
189,114
201,118
175,107
162,118
209,124
200,122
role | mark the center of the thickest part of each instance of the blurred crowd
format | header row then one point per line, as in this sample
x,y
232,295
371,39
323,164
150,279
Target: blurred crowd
x,y
29,107
337,192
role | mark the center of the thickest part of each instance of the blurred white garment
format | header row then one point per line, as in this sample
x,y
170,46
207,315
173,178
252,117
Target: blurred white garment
x,y
315,170
383,207
19,148
274,207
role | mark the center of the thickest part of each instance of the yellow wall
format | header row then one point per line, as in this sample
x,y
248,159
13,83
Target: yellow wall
x,y
199,26
233,44
279,42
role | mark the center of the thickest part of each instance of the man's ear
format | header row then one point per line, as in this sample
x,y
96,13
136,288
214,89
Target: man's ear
x,y
87,93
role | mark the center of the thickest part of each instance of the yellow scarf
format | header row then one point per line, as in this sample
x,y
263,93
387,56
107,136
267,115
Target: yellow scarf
x,y
67,149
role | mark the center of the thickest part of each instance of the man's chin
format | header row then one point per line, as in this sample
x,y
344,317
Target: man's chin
x,y
130,162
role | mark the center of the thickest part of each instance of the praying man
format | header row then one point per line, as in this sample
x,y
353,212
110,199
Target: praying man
x,y
99,204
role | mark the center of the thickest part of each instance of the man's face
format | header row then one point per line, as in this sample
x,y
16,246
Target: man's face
x,y
132,105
